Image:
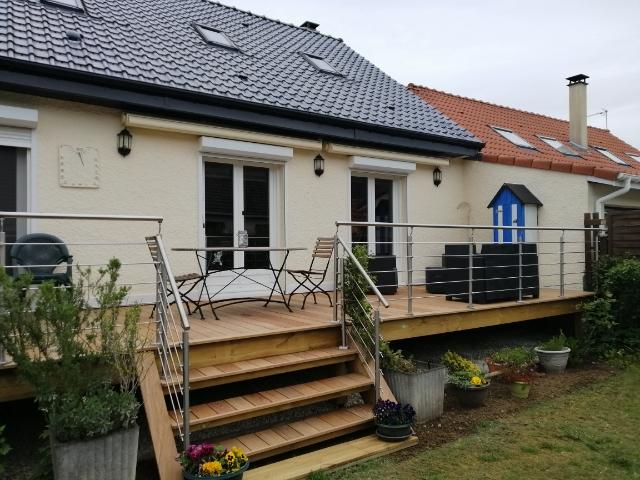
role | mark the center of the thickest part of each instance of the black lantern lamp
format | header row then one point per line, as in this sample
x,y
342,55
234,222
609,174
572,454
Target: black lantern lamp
x,y
437,176
318,165
124,142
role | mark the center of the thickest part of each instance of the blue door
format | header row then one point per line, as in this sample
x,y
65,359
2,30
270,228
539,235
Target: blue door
x,y
508,211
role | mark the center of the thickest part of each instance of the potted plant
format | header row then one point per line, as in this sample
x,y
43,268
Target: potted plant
x,y
416,383
470,382
393,420
4,448
517,369
205,462
72,353
553,354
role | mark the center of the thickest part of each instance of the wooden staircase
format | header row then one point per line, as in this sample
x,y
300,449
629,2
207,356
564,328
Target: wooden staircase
x,y
261,380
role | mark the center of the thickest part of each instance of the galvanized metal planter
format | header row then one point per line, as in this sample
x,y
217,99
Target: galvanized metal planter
x,y
423,390
105,458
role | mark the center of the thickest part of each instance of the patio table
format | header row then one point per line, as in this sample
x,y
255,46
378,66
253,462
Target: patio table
x,y
210,257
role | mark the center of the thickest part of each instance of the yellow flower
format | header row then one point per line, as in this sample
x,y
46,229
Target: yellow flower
x,y
230,457
476,381
211,468
236,451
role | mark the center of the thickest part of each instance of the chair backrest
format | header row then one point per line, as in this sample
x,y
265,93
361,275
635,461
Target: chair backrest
x,y
322,251
29,250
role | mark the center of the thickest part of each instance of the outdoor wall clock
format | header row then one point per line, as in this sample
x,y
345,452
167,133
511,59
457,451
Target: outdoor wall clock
x,y
78,167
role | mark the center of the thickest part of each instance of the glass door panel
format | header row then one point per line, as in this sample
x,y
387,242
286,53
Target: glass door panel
x,y
256,214
218,205
9,192
384,213
359,209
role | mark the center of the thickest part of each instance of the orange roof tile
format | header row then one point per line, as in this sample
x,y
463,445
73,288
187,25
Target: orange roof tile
x,y
478,117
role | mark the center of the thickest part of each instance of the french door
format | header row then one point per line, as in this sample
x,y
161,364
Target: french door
x,y
372,200
237,198
13,191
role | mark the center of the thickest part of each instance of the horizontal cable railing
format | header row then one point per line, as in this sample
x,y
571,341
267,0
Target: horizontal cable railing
x,y
474,263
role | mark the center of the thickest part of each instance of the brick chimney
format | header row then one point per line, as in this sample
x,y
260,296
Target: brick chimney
x,y
578,110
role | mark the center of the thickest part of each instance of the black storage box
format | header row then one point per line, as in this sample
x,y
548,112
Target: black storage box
x,y
383,270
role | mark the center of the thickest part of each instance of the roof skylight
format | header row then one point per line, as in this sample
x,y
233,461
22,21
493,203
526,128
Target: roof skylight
x,y
559,146
77,4
610,155
215,37
320,63
635,156
513,137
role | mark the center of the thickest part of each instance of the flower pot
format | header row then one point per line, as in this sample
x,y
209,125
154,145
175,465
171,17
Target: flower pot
x,y
553,361
472,396
104,458
227,476
493,366
393,433
520,389
423,390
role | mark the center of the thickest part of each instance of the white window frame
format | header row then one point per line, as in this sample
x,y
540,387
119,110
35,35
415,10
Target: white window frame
x,y
503,131
605,152
634,156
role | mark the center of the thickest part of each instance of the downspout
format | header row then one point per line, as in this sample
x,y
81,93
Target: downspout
x,y
600,202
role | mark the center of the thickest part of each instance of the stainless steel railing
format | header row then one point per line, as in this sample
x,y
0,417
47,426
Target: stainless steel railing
x,y
172,337
91,247
358,316
553,258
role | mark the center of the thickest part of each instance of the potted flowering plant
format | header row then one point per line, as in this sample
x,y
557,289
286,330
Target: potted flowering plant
x,y
393,420
470,382
518,369
554,354
204,461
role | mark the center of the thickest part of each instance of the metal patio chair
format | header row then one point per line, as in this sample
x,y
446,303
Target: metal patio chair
x,y
186,283
41,254
310,280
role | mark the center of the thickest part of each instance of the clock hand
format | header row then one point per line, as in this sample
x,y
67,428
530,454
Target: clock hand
x,y
79,152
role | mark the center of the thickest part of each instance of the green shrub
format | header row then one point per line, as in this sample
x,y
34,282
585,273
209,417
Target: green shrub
x,y
514,357
456,363
4,447
395,360
555,344
71,352
622,282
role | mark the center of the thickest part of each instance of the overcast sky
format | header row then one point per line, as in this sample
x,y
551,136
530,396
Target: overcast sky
x,y
514,53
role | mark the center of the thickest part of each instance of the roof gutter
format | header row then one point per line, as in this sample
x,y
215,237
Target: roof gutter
x,y
146,98
626,187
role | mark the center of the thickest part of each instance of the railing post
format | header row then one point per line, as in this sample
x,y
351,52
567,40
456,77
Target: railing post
x,y
343,313
594,265
336,278
562,264
410,271
158,313
185,389
3,262
519,271
376,341
470,293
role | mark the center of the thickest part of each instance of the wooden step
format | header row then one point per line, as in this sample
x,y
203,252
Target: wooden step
x,y
243,407
301,433
213,375
346,453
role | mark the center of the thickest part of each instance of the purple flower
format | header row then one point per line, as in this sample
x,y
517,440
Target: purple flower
x,y
197,451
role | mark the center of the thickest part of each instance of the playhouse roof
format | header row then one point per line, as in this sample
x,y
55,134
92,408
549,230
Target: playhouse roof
x,y
521,192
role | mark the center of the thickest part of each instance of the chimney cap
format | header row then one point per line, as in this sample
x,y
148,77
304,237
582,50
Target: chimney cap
x,y
310,25
579,78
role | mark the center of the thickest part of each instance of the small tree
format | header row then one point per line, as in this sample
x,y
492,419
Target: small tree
x,y
72,353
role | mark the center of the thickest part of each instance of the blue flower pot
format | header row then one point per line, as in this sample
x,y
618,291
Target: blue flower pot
x,y
227,476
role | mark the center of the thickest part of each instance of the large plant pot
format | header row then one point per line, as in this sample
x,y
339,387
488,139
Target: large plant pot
x,y
105,458
472,396
227,476
423,390
393,433
383,268
553,361
520,389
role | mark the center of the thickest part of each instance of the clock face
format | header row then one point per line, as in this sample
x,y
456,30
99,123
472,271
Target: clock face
x,y
78,167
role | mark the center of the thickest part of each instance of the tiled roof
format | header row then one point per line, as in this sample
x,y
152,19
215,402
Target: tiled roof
x,y
478,117
155,42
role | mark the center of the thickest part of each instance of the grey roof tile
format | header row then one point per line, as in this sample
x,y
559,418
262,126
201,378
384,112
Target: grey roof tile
x,y
154,41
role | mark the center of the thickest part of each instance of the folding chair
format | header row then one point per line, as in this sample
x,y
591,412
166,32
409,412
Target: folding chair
x,y
309,280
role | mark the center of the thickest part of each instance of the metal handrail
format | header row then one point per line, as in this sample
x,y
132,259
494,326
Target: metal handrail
x,y
364,273
81,216
342,223
172,283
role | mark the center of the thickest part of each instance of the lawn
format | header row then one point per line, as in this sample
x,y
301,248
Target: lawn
x,y
592,433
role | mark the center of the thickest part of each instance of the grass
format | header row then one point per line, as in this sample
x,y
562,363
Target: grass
x,y
589,434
